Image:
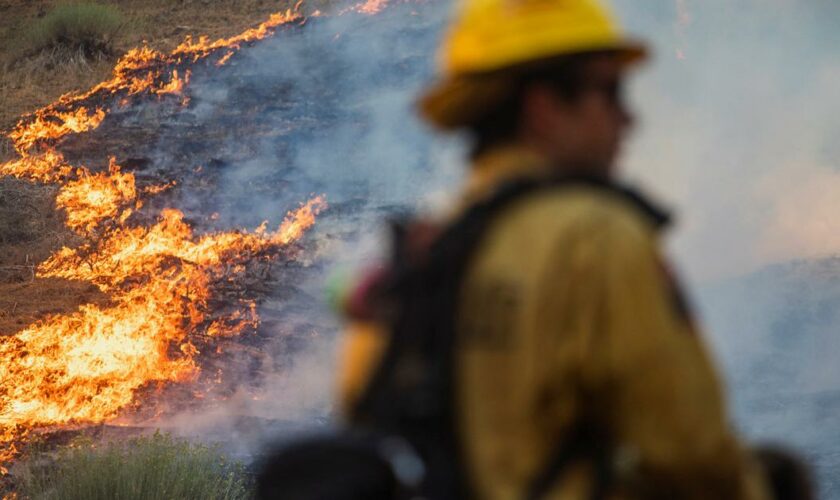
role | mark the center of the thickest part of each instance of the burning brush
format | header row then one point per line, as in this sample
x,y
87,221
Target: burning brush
x,y
163,282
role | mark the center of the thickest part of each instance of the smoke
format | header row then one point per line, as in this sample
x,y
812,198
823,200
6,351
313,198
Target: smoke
x,y
294,400
737,119
737,129
323,108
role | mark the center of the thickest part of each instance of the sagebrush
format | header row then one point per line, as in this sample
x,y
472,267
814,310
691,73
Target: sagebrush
x,y
153,467
85,27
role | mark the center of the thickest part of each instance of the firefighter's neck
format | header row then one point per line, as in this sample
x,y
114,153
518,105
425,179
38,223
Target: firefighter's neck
x,y
559,160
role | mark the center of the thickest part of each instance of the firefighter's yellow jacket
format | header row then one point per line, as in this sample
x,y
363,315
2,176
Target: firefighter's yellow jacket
x,y
568,312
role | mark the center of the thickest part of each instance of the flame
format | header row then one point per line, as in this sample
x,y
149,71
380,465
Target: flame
x,y
85,367
225,58
198,49
236,323
144,70
54,126
92,198
176,84
127,250
45,167
140,70
88,366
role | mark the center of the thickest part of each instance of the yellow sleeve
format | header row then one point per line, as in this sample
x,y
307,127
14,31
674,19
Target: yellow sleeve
x,y
362,346
652,377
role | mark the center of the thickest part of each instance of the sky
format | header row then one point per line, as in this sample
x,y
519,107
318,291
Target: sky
x,y
738,113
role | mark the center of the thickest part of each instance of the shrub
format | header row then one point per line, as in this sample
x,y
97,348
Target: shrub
x,y
87,27
154,467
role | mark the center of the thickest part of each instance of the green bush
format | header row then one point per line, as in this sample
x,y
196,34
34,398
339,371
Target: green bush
x,y
155,467
88,27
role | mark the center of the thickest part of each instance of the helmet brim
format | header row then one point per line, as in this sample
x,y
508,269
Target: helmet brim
x,y
459,101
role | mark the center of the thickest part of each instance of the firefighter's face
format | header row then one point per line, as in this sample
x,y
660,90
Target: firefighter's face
x,y
584,132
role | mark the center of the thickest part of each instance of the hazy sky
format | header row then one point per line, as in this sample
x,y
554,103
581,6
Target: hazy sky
x,y
738,115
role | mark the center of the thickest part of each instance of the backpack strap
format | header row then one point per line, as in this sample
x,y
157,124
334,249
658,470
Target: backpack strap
x,y
581,442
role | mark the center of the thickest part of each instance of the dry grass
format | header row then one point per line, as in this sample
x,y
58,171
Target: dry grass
x,y
29,81
30,226
153,467
83,30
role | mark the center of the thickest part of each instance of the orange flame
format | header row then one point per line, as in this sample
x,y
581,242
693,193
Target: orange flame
x,y
93,198
198,49
225,58
176,84
88,366
54,126
45,167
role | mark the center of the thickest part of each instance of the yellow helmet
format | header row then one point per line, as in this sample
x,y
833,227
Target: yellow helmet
x,y
491,35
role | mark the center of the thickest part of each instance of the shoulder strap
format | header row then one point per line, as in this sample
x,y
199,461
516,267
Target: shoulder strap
x,y
581,442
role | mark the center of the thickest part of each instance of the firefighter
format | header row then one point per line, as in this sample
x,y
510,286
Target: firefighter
x,y
568,316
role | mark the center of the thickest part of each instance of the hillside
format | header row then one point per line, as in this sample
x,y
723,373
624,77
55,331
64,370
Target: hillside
x,y
29,81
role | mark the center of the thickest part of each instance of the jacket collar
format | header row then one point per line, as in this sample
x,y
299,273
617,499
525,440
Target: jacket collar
x,y
500,166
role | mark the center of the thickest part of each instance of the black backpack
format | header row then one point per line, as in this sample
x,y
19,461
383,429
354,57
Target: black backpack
x,y
401,442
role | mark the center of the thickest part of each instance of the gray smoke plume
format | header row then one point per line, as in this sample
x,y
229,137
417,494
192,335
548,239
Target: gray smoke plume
x,y
738,115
